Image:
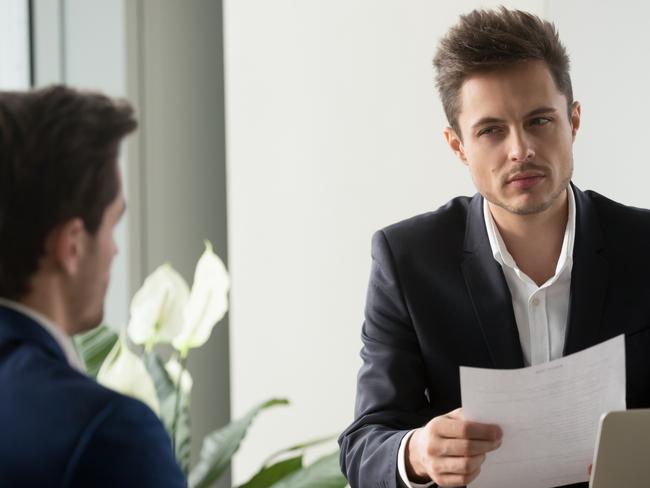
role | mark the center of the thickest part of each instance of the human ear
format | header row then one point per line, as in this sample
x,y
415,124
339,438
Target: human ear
x,y
575,119
456,144
65,245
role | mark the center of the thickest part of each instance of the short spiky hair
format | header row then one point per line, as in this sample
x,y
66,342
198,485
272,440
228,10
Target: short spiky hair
x,y
486,40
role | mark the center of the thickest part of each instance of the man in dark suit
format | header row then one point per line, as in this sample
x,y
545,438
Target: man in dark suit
x,y
60,199
528,270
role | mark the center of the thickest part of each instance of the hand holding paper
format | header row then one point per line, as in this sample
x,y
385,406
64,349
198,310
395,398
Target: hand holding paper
x,y
548,414
450,450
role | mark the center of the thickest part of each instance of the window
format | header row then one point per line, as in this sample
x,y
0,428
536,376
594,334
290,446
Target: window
x,y
14,45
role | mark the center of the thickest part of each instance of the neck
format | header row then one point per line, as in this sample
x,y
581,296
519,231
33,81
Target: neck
x,y
44,298
534,241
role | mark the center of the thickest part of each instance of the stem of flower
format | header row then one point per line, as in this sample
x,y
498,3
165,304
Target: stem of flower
x,y
183,361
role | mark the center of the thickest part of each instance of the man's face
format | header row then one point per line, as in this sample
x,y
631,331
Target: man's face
x,y
95,267
516,137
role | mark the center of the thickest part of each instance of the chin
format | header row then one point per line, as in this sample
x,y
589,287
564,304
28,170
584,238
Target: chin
x,y
529,203
90,322
522,206
531,209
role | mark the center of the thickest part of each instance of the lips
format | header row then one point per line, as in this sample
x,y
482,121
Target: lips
x,y
525,180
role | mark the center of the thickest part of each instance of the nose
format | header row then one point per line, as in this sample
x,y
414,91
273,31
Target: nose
x,y
520,148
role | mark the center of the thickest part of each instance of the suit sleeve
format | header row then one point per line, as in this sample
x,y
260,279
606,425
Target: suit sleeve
x,y
125,445
391,398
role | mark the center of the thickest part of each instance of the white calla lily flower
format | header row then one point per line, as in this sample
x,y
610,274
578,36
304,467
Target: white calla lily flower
x,y
157,309
125,372
174,368
208,302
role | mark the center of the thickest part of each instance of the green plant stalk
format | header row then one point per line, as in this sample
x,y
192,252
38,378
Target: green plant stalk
x,y
177,401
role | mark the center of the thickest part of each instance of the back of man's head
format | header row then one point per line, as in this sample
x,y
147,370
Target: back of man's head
x,y
58,161
486,40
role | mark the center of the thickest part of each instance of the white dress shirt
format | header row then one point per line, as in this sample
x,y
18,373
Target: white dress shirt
x,y
62,339
541,312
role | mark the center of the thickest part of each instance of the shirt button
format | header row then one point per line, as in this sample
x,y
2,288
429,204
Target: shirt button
x,y
535,301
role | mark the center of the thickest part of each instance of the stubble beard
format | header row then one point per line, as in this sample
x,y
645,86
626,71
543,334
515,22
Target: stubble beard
x,y
534,208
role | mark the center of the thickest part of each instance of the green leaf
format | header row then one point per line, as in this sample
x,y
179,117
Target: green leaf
x,y
183,438
166,391
267,476
164,385
299,448
324,473
219,447
94,346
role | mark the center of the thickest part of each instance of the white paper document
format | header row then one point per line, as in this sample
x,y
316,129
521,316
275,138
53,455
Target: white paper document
x,y
549,415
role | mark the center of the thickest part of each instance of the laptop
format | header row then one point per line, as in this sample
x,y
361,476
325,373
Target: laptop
x,y
622,457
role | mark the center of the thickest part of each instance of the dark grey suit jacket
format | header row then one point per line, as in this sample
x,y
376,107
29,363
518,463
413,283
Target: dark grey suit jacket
x,y
437,299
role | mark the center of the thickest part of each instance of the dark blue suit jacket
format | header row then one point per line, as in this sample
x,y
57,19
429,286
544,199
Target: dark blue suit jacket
x,y
59,428
437,299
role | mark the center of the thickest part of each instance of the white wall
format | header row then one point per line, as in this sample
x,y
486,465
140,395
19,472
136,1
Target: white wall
x,y
608,43
334,129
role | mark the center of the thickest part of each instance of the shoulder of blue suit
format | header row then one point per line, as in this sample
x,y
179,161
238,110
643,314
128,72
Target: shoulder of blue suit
x,y
62,429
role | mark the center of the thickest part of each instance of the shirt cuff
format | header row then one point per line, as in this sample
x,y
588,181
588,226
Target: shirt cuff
x,y
401,465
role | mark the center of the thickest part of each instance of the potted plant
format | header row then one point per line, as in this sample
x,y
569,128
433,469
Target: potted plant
x,y
148,360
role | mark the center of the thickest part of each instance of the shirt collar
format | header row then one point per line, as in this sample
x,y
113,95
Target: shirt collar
x,y
504,258
64,341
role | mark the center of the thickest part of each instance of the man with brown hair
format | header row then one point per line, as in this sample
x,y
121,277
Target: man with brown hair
x,y
528,270
60,200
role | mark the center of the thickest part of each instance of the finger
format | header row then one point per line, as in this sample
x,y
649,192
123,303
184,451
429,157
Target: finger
x,y
452,428
452,479
589,468
466,447
460,464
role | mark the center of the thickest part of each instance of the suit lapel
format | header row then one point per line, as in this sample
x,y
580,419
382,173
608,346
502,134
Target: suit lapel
x,y
589,278
489,292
